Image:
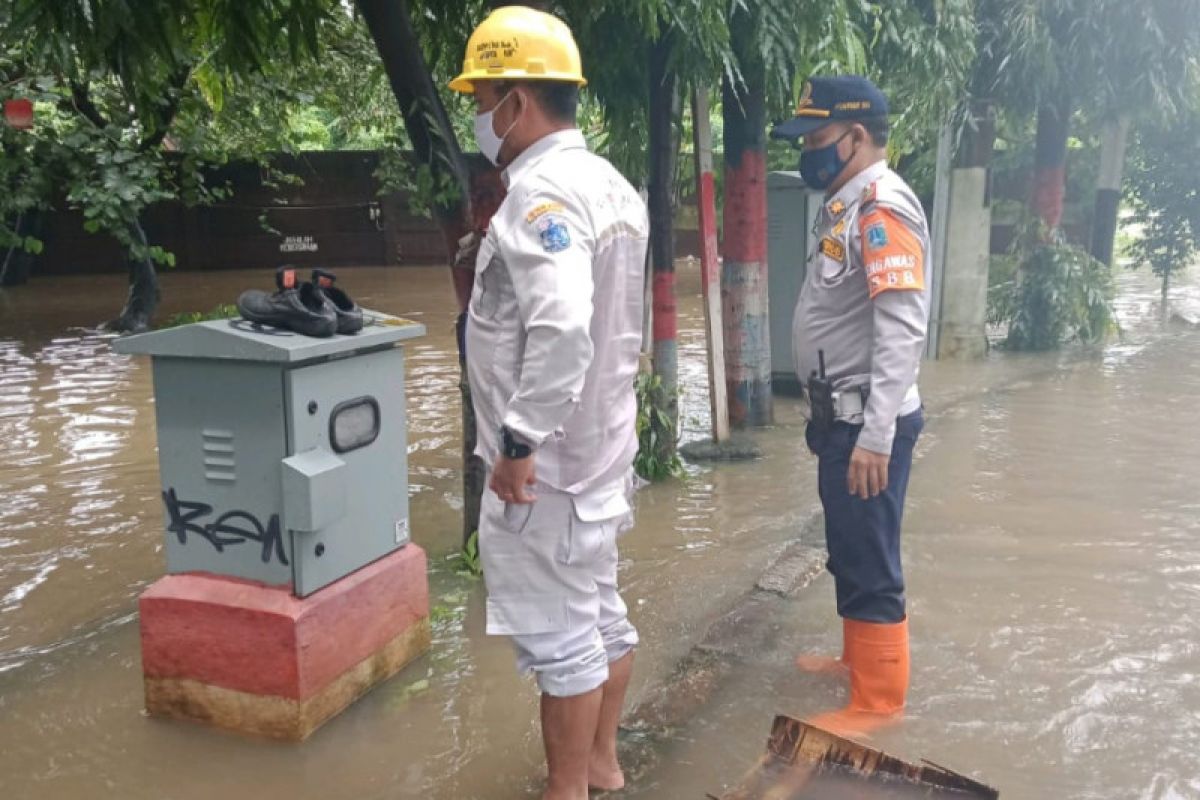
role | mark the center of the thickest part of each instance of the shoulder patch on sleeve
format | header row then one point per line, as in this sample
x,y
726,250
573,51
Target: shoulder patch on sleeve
x,y
893,256
541,210
553,233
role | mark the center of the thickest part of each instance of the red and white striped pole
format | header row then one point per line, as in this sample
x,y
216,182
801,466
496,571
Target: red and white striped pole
x,y
710,272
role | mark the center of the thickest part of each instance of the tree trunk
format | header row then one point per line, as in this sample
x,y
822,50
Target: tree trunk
x,y
425,119
979,138
143,290
1108,188
16,263
744,271
663,154
434,145
1050,164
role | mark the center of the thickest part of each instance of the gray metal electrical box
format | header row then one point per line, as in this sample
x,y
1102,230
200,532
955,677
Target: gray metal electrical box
x,y
283,458
791,213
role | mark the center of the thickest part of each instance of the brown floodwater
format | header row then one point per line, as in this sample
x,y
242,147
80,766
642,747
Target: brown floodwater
x,y
1053,551
1052,548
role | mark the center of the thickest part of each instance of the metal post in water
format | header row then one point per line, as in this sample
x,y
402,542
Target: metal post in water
x,y
939,224
710,275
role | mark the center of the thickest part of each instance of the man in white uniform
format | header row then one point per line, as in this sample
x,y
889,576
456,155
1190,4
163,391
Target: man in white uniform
x,y
553,337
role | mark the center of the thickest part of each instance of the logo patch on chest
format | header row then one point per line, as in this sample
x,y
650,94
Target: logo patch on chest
x,y
833,248
552,230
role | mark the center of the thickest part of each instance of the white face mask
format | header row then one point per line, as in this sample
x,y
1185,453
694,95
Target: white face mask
x,y
485,135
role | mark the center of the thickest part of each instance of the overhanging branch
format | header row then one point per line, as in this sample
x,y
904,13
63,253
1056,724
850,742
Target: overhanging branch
x,y
425,117
81,102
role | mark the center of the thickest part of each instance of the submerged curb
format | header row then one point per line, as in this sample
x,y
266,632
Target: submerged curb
x,y
747,627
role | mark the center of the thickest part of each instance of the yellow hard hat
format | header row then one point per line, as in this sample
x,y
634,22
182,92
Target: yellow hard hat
x,y
519,43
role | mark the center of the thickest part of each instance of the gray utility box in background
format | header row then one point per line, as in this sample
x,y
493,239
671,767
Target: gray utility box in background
x,y
791,213
283,458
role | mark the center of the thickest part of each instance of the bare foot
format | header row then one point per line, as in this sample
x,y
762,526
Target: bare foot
x,y
604,774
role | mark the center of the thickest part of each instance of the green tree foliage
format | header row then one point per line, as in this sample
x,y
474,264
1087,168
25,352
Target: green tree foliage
x,y
1166,196
119,85
1100,57
654,462
1135,58
920,53
1083,64
339,101
1055,293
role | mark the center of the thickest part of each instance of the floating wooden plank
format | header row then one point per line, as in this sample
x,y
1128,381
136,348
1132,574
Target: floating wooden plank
x,y
800,756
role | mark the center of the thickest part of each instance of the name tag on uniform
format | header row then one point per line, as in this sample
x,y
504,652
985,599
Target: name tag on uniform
x,y
833,248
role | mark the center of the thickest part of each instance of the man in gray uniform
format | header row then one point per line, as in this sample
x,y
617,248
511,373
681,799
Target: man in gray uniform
x,y
553,337
857,338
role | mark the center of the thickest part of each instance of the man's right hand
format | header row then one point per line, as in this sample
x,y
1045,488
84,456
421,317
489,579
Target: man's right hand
x,y
868,475
511,476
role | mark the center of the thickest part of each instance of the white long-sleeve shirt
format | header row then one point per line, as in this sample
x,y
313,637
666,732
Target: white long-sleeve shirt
x,y
865,302
555,320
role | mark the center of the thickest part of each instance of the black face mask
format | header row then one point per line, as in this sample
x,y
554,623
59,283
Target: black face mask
x,y
820,166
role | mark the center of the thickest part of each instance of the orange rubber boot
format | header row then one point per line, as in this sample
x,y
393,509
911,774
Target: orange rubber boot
x,y
878,679
828,665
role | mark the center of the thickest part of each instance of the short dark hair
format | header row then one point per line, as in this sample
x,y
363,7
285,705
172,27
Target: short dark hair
x,y
878,128
559,99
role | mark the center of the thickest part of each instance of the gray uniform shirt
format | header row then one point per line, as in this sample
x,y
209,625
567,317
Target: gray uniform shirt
x,y
865,302
555,319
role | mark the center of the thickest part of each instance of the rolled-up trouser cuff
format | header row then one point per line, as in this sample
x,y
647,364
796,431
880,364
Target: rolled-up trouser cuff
x,y
565,663
551,573
620,638
561,683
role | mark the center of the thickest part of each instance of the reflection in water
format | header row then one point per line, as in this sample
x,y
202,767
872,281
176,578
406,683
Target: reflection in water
x,y
1053,556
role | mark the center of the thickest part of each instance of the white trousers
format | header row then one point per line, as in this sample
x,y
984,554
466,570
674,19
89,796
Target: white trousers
x,y
551,574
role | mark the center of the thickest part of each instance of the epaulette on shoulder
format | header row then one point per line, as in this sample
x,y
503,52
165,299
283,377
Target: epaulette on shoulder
x,y
869,194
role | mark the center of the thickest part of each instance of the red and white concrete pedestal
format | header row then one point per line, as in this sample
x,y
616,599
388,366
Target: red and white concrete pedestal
x,y
258,660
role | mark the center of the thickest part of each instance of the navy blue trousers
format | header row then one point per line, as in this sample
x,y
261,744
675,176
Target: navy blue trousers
x,y
863,536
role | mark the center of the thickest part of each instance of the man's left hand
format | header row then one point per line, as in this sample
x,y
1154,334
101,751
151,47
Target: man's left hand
x,y
868,473
510,476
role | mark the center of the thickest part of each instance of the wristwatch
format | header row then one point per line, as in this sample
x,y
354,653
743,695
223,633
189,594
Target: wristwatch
x,y
510,447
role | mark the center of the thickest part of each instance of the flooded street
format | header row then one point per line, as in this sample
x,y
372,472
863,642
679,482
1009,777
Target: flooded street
x,y
1052,545
81,532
